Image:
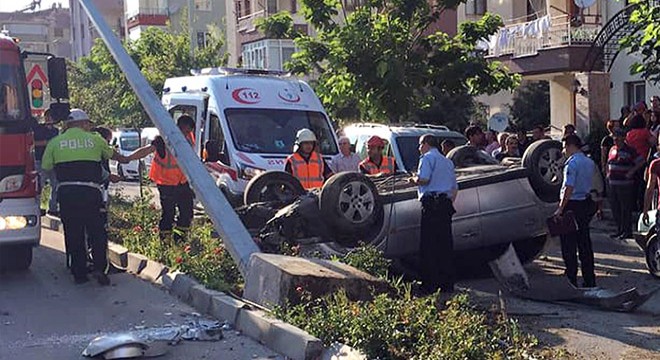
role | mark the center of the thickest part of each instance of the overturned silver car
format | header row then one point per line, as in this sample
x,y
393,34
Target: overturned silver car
x,y
497,204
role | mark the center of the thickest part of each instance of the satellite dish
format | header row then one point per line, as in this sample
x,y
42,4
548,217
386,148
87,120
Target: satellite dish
x,y
498,122
584,3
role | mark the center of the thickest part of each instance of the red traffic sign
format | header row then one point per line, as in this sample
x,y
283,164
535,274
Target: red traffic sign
x,y
37,71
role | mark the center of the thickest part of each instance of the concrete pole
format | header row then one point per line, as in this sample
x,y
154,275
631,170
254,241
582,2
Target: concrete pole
x,y
238,241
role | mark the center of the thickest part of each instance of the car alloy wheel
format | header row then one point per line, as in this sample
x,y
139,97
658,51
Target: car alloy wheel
x,y
356,202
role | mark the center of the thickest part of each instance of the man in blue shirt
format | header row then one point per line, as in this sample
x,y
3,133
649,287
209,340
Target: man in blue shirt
x,y
437,190
575,196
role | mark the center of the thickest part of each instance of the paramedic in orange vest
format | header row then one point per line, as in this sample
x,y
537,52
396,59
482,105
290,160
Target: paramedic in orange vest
x,y
376,163
306,164
175,192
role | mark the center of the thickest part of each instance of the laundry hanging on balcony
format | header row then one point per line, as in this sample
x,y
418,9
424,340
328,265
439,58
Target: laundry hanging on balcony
x,y
503,41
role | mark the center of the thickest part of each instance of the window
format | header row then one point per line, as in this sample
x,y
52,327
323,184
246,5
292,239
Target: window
x,y
203,5
129,143
475,7
271,7
635,92
218,137
202,39
58,32
274,131
12,89
409,149
294,6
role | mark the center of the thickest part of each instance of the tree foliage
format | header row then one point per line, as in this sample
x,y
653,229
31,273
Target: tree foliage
x,y
645,42
381,61
531,105
99,86
276,26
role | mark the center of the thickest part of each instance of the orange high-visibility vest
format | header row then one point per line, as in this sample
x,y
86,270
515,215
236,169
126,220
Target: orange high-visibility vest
x,y
165,171
386,166
310,174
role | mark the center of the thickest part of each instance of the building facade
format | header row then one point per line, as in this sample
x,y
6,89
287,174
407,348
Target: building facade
x,y
41,31
559,42
83,32
257,51
199,16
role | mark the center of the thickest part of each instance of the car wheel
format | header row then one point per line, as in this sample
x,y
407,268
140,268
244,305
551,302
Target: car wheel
x,y
466,156
277,186
352,208
15,257
653,256
544,161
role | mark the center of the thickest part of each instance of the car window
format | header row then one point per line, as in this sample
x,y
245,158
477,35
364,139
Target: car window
x,y
129,143
409,149
274,131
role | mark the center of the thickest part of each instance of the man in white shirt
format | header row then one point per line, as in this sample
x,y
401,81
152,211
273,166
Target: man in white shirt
x,y
345,160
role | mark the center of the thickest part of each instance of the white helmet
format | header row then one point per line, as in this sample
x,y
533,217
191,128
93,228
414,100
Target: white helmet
x,y
77,115
305,135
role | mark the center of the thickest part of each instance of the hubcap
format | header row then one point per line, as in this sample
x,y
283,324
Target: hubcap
x,y
550,166
356,202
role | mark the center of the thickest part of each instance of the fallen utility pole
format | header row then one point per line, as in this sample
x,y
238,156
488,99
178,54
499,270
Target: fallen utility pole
x,y
235,236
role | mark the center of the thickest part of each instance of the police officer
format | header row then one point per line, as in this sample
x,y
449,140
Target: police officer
x,y
376,163
306,164
76,156
437,190
575,196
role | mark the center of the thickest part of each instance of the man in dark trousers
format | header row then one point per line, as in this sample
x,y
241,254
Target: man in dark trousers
x,y
76,156
173,188
575,196
437,184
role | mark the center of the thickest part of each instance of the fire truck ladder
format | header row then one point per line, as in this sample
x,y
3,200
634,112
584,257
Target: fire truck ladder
x,y
605,48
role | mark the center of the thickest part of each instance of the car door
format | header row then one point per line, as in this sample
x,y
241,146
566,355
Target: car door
x,y
467,226
194,105
509,212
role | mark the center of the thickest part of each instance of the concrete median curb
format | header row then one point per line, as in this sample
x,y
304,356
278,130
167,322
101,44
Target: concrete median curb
x,y
286,339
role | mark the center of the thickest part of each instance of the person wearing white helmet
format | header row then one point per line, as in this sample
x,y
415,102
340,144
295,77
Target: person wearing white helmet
x,y
76,156
306,164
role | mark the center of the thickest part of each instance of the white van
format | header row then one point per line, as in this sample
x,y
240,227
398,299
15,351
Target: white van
x,y
247,120
125,141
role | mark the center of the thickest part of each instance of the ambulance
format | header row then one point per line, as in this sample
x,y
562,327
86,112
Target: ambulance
x,y
246,121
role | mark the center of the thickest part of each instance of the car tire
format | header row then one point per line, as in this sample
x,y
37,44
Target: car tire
x,y
273,186
652,254
352,208
15,257
544,162
466,156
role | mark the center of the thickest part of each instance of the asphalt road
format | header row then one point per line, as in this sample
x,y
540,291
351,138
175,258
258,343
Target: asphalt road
x,y
43,315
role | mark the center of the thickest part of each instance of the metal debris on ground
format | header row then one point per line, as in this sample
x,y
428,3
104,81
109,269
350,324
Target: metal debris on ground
x,y
513,277
151,342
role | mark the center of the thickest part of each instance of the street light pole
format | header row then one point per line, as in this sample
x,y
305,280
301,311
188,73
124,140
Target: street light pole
x,y
238,241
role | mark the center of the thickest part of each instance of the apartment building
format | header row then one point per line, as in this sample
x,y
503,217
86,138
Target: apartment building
x,y
46,30
259,52
558,41
197,15
83,32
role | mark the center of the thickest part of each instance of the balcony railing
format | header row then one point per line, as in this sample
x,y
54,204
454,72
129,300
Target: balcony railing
x,y
146,11
247,23
526,39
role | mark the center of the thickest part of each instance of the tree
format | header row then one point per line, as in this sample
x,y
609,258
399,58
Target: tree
x,y
381,60
531,105
644,42
276,26
100,88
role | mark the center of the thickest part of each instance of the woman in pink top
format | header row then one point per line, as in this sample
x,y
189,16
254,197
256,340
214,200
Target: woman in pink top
x,y
639,136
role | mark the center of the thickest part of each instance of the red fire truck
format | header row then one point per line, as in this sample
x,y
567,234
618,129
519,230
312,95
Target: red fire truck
x,y
20,212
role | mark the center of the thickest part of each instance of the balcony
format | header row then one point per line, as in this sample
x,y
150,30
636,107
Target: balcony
x,y
545,45
247,30
147,17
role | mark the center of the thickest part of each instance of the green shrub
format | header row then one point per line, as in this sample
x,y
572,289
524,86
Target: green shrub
x,y
134,224
406,327
368,259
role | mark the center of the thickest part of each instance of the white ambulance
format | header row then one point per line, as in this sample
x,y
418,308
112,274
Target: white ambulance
x,y
246,121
